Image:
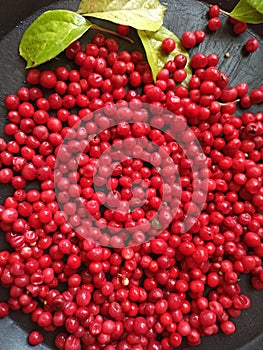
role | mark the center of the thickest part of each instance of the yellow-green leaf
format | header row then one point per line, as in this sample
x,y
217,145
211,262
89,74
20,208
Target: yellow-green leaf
x,y
50,34
246,13
152,42
257,4
139,14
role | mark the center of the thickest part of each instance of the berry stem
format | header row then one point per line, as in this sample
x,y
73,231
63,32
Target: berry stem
x,y
113,33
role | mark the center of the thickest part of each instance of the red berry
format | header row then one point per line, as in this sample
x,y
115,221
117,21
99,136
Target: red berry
x,y
228,327
200,36
35,338
72,49
214,11
47,79
4,308
188,40
123,29
92,195
168,45
240,27
214,24
252,45
12,102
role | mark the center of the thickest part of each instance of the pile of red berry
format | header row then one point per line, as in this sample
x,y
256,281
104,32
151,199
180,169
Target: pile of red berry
x,y
153,294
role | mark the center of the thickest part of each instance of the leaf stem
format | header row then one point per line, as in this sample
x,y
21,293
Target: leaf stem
x,y
225,12
113,33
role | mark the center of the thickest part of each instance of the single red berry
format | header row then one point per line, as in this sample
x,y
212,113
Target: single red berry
x,y
240,27
72,49
168,45
33,76
47,79
200,36
123,29
214,11
4,308
214,24
35,338
228,327
12,102
188,40
252,45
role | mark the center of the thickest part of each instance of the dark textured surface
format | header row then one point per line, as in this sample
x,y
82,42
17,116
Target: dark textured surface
x,y
181,15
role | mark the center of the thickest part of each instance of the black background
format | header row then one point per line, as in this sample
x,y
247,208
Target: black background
x,y
14,14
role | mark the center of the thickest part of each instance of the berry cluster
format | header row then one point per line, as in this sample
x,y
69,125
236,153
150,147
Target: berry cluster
x,y
189,39
153,294
215,21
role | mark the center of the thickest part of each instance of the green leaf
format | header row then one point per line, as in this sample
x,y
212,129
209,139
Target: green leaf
x,y
50,34
257,4
152,42
140,14
246,13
